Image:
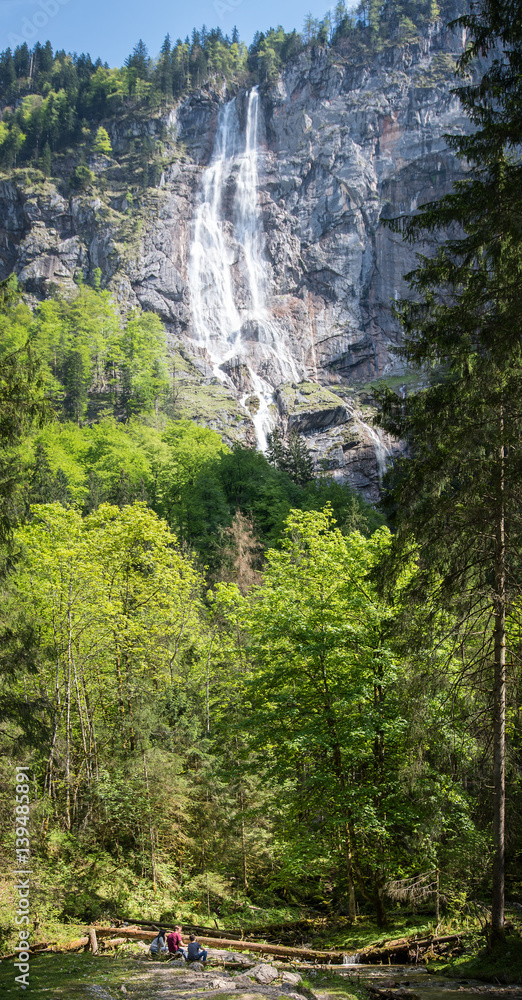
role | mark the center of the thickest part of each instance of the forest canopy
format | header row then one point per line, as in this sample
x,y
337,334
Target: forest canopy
x,y
49,100
233,681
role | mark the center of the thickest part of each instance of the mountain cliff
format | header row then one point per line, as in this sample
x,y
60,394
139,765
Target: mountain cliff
x,y
259,238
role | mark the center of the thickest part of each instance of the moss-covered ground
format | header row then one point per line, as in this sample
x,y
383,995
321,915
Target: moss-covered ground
x,y
499,964
75,976
83,977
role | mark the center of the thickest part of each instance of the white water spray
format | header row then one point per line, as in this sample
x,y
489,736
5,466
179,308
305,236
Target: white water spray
x,y
227,273
383,454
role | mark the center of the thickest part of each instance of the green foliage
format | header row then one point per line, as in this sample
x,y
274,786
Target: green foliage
x,y
293,458
47,97
22,402
92,359
102,142
82,178
201,493
459,490
326,689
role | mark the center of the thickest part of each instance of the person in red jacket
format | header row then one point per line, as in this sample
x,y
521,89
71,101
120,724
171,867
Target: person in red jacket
x,y
175,944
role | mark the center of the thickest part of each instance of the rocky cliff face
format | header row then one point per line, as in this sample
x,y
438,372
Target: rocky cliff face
x,y
341,145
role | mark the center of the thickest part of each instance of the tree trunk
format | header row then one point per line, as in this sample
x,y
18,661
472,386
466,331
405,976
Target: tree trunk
x,y
152,832
352,911
93,940
380,909
499,709
243,841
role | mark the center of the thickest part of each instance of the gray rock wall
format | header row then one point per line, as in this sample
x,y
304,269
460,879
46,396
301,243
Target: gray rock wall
x,y
343,145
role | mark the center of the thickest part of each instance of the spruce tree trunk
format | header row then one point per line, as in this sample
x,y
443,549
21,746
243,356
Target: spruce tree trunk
x,y
499,710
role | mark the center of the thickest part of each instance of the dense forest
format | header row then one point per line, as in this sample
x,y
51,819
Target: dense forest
x,y
233,682
53,100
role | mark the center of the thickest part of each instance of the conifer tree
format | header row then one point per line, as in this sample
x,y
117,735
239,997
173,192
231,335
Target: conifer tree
x,y
459,490
165,69
139,60
47,160
293,458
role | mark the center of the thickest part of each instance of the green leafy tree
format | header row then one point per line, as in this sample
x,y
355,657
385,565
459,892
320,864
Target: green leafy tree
x,y
143,349
82,178
22,404
315,629
322,673
115,603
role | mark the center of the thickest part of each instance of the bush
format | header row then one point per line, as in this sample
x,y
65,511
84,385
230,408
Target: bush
x,y
82,178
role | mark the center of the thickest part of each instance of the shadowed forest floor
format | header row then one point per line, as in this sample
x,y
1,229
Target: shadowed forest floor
x,y
84,977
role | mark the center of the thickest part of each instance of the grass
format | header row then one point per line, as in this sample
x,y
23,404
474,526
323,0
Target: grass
x,y
365,932
500,964
411,381
307,396
335,987
79,977
71,976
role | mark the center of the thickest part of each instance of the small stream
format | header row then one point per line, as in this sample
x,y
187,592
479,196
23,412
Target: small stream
x,y
415,979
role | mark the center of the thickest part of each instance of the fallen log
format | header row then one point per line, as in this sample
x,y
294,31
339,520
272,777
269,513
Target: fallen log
x,y
35,949
54,948
210,932
232,933
420,941
186,928
114,942
137,934
153,924
403,949
76,945
41,946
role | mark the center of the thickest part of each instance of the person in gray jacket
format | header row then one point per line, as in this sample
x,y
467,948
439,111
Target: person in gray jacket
x,y
158,945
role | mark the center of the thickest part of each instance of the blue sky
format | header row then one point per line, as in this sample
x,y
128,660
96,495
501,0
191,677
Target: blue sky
x,y
111,28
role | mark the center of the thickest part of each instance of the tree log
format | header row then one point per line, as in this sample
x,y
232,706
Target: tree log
x,y
72,946
232,933
400,949
153,924
137,934
114,942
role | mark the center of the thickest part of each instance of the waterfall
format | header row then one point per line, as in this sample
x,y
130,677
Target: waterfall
x,y
227,273
382,452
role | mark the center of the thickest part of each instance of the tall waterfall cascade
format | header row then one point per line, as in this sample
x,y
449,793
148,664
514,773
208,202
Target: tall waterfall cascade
x,y
231,319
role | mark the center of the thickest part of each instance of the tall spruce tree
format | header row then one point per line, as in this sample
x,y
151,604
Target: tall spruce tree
x,y
459,490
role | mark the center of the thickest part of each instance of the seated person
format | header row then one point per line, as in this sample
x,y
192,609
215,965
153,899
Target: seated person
x,y
158,946
175,944
194,952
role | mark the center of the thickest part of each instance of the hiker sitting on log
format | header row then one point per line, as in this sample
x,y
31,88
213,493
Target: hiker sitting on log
x,y
175,944
158,946
194,952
